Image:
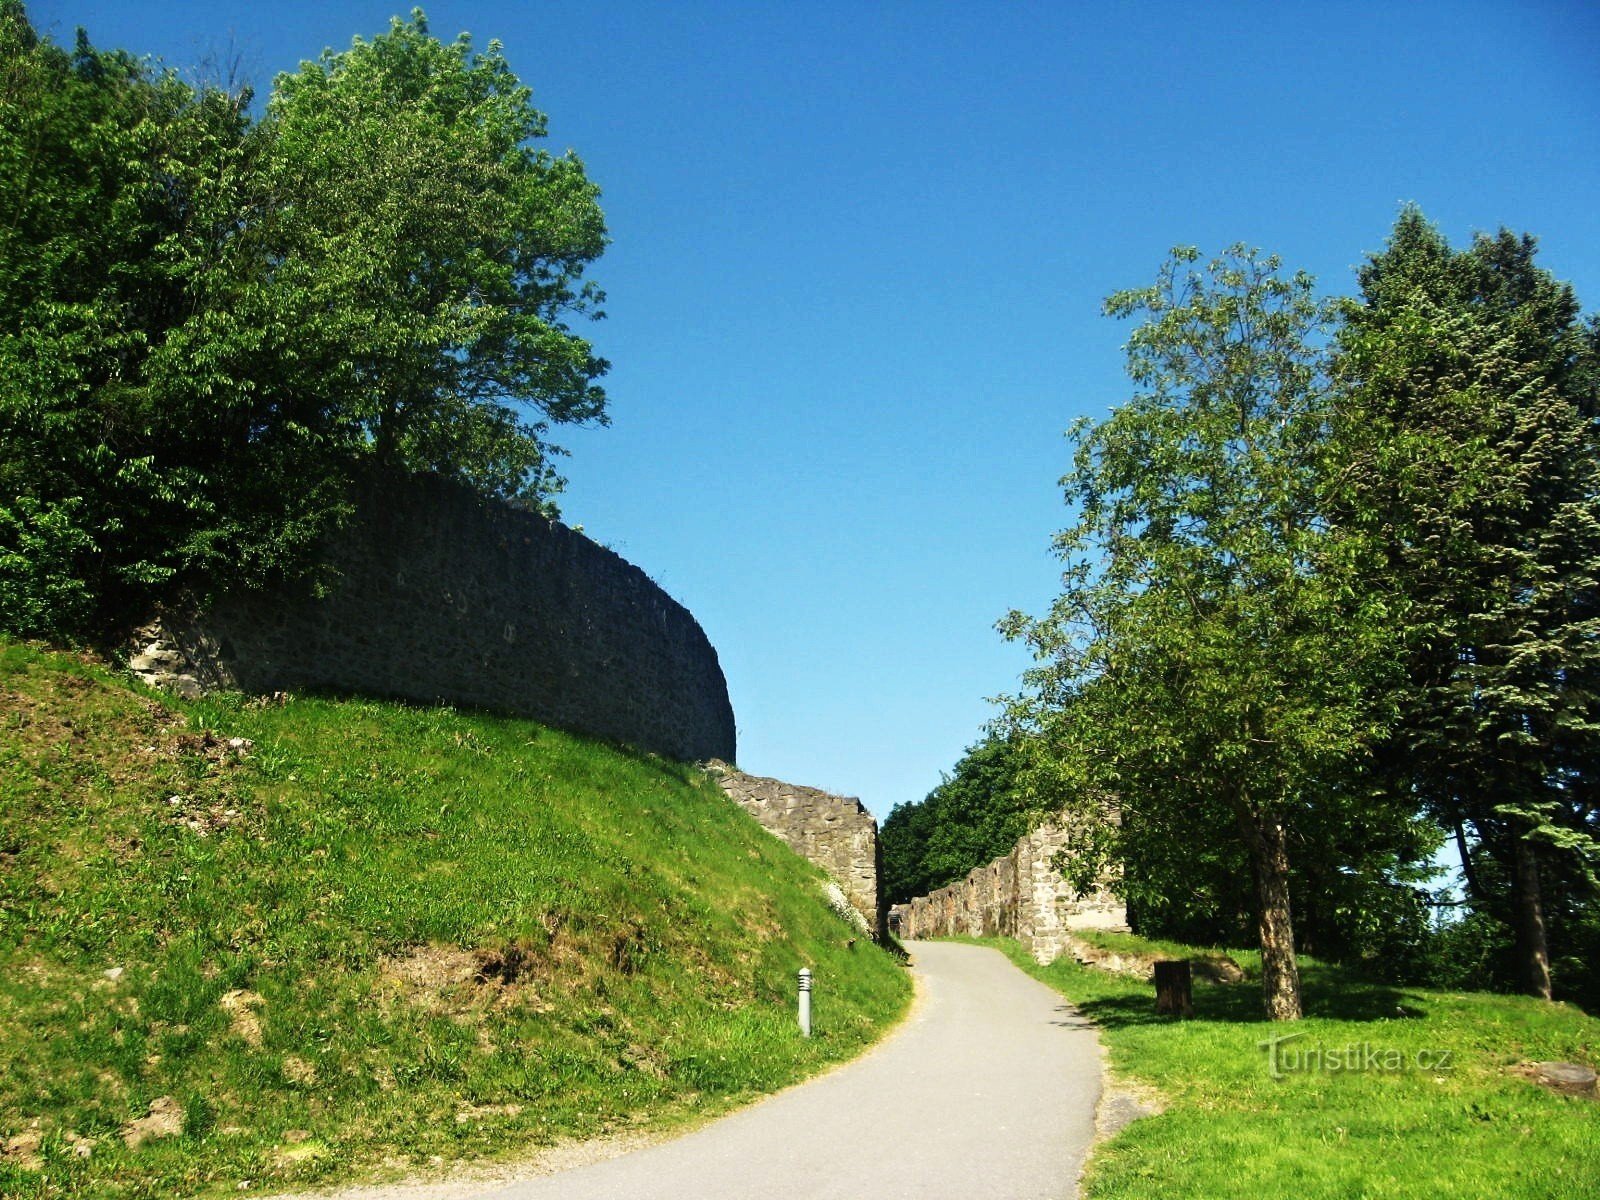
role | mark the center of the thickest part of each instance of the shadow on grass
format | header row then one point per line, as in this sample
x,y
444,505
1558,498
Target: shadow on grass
x,y
1328,993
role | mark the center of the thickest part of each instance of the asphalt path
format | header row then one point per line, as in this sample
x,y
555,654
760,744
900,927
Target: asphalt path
x,y
987,1093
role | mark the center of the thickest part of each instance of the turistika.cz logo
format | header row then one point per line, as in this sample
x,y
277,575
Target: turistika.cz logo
x,y
1285,1058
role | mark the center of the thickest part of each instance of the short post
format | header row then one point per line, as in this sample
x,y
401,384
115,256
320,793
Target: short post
x,y
805,1001
1174,988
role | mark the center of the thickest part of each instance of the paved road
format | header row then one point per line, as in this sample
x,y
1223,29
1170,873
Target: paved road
x,y
988,1092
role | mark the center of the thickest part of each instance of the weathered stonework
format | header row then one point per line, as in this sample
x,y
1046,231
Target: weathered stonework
x,y
834,832
1021,895
445,597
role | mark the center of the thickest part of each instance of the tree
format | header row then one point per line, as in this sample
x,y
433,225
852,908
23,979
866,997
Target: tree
x,y
409,242
1471,457
210,327
109,176
1205,672
971,818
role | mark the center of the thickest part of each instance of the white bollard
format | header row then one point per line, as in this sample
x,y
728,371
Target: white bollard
x,y
805,1001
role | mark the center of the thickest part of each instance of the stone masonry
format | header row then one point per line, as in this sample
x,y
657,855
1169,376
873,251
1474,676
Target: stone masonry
x,y
446,597
834,832
1021,895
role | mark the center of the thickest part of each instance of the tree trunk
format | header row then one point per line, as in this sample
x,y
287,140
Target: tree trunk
x,y
1533,952
1280,975
386,437
1468,872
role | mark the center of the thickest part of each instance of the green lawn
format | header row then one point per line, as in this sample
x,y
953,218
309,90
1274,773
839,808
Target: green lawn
x,y
382,934
1382,1092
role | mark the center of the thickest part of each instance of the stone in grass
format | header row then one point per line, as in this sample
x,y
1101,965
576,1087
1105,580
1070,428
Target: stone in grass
x,y
165,1119
1575,1079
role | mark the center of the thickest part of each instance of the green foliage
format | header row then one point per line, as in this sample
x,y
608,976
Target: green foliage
x,y
43,547
1228,1129
209,326
1470,457
419,255
975,815
1325,605
1206,672
106,166
469,936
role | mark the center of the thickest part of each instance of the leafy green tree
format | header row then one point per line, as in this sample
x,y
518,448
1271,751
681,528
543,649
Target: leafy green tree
x,y
411,243
1470,455
972,817
1205,672
107,171
210,328
902,842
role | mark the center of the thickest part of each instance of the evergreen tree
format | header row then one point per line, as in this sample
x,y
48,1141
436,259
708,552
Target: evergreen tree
x,y
1469,455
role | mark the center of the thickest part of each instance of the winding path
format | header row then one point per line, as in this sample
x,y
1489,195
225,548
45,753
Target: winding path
x,y
988,1091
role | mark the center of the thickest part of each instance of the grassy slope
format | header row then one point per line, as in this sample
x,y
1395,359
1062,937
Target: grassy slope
x,y
1229,1129
341,888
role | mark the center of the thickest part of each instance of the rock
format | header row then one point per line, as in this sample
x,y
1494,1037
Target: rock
x,y
184,687
165,1119
1574,1079
112,973
240,745
1219,968
155,661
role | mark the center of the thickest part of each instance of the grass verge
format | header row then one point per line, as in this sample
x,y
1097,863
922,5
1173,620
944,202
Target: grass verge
x,y
1380,1092
374,938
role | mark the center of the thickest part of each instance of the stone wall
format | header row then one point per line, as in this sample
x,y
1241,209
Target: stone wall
x,y
448,598
1021,895
834,832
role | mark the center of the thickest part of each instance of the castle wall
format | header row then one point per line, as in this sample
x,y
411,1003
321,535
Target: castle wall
x,y
446,597
1020,895
834,832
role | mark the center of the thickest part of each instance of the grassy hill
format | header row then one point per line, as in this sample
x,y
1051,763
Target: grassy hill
x,y
1382,1091
370,937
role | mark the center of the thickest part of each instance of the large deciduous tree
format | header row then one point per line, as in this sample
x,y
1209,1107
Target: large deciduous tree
x,y
111,181
210,326
414,243
1205,672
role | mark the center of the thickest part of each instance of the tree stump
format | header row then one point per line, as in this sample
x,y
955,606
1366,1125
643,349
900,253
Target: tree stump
x,y
1174,988
1573,1078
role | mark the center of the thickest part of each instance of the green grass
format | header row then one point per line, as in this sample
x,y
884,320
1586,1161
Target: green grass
x,y
439,934
1396,1125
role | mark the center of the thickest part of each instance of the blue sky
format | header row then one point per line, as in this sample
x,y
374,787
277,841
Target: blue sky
x,y
859,251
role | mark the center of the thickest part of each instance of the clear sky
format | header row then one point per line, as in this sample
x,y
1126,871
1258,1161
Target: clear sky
x,y
859,250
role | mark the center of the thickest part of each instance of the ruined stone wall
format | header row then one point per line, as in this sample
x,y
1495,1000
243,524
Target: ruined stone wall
x,y
834,832
448,598
1019,895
